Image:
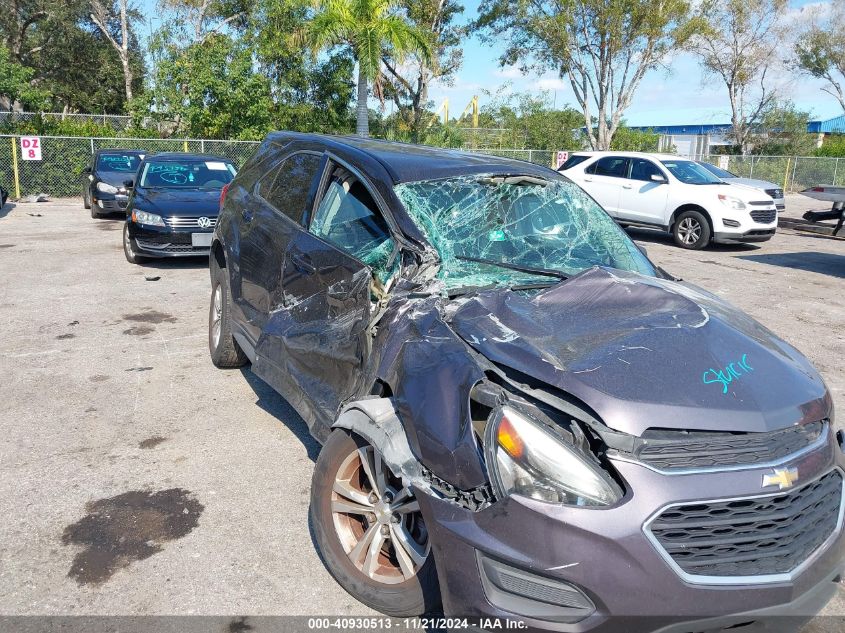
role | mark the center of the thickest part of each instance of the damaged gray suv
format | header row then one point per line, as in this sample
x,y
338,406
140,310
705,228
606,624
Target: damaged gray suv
x,y
521,416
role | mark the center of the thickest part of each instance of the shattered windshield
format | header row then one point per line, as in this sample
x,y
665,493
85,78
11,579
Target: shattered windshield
x,y
516,230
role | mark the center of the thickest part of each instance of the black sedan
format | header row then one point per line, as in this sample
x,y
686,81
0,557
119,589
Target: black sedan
x,y
173,208
103,190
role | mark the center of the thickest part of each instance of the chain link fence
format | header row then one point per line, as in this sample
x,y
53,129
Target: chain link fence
x,y
537,156
793,173
59,172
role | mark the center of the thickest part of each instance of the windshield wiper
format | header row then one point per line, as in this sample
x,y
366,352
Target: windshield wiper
x,y
465,290
546,272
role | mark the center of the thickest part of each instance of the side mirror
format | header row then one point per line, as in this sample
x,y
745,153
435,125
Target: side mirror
x,y
642,249
129,183
658,178
86,170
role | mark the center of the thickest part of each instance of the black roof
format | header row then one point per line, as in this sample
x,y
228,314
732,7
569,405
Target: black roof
x,y
409,163
188,156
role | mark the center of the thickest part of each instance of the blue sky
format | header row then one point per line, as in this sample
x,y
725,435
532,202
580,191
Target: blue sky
x,y
681,94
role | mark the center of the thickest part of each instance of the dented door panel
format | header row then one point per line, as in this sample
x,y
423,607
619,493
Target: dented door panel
x,y
315,341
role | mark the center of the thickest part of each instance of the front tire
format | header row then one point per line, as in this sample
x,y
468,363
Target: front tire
x,y
86,199
225,351
370,531
131,256
691,230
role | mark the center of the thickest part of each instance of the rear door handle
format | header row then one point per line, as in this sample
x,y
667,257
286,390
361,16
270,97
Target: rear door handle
x,y
588,180
627,186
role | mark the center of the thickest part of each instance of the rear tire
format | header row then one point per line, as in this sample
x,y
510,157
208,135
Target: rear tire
x,y
400,580
224,349
131,256
691,230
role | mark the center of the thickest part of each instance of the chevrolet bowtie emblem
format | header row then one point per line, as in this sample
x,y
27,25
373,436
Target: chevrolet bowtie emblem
x,y
782,478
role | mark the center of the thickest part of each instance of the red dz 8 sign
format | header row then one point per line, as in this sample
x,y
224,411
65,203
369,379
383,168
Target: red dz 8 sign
x,y
30,148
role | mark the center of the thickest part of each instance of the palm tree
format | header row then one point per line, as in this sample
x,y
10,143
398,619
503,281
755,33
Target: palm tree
x,y
372,29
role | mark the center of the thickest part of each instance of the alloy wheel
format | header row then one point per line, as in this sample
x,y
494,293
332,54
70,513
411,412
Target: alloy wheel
x,y
377,519
689,230
217,315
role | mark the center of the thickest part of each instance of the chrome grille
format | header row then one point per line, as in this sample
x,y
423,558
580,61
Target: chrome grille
x,y
189,222
767,536
775,193
681,450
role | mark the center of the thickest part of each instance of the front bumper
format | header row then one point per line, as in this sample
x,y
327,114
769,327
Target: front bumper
x,y
752,235
153,241
606,556
109,202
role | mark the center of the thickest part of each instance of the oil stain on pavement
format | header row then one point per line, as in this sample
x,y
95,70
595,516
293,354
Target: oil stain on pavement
x,y
150,316
129,527
152,442
138,330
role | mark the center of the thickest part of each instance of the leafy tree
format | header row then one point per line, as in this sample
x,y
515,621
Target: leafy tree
x,y
372,29
408,84
603,48
820,50
15,86
782,131
629,140
310,94
56,39
531,121
833,146
114,20
738,45
210,89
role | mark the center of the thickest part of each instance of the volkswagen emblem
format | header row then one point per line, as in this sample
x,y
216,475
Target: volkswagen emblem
x,y
204,223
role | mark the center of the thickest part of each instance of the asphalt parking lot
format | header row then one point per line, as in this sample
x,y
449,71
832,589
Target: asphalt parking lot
x,y
109,401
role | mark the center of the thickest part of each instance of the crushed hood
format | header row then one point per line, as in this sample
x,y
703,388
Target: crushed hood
x,y
647,353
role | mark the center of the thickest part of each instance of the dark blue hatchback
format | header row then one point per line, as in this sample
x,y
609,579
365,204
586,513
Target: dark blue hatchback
x,y
174,204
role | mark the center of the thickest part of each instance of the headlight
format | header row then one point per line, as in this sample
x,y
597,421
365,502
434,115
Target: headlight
x,y
151,219
106,187
734,203
528,460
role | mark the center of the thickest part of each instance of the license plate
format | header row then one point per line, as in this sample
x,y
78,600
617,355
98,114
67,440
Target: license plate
x,y
202,240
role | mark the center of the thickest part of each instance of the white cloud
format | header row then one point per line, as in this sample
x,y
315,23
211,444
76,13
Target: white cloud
x,y
509,72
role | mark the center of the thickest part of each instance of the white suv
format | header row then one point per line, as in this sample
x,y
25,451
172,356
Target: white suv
x,y
673,194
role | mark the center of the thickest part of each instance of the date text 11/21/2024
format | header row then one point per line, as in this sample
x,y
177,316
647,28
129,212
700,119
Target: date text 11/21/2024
x,y
414,624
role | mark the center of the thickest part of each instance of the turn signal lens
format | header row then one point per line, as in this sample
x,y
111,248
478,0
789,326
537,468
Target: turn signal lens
x,y
509,439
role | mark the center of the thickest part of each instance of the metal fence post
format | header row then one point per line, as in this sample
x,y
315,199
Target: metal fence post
x,y
15,168
794,167
751,173
786,173
835,171
185,145
202,146
92,144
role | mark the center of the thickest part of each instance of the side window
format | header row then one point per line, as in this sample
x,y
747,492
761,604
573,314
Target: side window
x,y
615,166
287,186
642,169
349,218
575,159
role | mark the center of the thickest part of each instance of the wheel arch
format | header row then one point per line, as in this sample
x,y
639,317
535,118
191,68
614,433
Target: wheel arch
x,y
217,255
691,206
376,421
